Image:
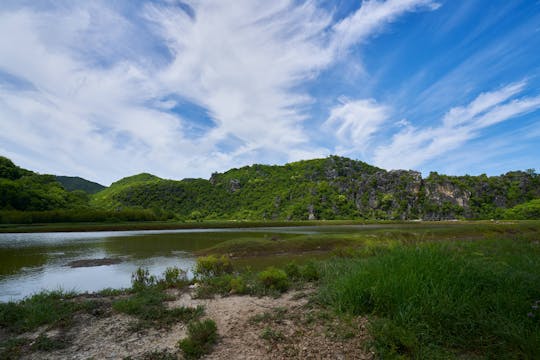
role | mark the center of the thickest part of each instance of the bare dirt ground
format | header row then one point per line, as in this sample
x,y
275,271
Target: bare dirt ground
x,y
249,328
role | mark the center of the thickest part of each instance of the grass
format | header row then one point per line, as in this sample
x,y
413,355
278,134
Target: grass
x,y
147,299
202,335
52,308
442,300
171,225
12,349
45,343
148,306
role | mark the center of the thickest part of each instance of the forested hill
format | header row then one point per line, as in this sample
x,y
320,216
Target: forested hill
x,y
72,183
330,188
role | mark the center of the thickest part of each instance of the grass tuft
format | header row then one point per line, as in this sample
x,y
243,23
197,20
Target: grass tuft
x,y
202,335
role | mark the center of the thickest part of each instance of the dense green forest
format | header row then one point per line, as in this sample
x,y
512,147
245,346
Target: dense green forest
x,y
71,183
330,188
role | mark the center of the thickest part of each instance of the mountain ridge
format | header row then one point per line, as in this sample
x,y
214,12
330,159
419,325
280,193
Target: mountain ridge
x,y
328,188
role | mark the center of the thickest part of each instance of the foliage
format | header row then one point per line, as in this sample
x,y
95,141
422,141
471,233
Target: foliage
x,y
527,211
73,183
274,279
45,308
174,277
147,305
211,266
11,349
430,299
45,343
202,335
78,215
330,188
141,279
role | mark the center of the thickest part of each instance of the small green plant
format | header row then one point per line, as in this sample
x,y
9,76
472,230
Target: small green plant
x,y
292,270
238,285
147,305
174,277
274,279
111,292
391,340
309,272
142,279
12,348
211,265
272,335
45,343
159,355
202,335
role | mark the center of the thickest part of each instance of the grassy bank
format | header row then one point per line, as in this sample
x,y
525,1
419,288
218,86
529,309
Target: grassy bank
x,y
473,299
172,225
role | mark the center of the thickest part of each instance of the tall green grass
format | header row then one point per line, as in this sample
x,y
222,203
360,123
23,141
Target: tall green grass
x,y
444,300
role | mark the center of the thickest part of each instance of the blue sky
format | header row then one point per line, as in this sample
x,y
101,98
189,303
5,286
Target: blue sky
x,y
180,89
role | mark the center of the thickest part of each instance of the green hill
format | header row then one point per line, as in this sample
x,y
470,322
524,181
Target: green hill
x,y
72,183
331,188
24,190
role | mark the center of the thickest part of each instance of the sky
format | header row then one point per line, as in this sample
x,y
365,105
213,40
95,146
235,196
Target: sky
x,y
106,89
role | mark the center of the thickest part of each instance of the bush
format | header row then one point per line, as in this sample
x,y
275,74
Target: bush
x,y
174,277
274,279
208,266
141,279
307,272
202,335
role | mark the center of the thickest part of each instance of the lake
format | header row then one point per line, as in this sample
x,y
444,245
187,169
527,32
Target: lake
x,y
30,262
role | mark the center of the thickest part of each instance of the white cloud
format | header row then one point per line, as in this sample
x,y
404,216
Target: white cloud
x,y
371,18
99,104
354,122
413,146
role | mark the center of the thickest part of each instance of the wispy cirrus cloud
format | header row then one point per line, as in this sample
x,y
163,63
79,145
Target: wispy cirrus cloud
x,y
413,146
104,82
354,122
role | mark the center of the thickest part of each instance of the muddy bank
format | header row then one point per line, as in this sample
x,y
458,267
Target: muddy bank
x,y
94,262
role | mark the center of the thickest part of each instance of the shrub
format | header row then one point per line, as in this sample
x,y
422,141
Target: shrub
x,y
142,279
292,270
309,272
238,285
274,279
202,335
174,277
211,265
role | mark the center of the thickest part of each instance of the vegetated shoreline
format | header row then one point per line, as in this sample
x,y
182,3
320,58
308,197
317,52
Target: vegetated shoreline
x,y
461,291
168,225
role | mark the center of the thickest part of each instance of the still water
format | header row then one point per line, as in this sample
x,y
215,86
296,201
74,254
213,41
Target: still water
x,y
33,262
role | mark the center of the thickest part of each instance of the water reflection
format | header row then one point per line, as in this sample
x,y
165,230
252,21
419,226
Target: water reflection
x,y
32,262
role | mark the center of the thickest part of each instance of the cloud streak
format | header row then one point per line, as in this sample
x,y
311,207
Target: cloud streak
x,y
414,146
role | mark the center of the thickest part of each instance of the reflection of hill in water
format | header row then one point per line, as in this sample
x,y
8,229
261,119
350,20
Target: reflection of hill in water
x,y
143,246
